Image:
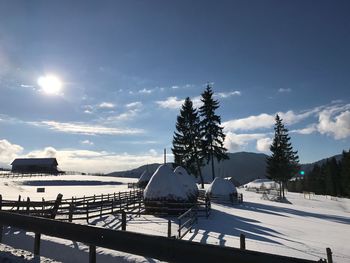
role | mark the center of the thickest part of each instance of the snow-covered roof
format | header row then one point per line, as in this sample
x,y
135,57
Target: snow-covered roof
x,y
221,186
145,176
187,181
164,185
35,161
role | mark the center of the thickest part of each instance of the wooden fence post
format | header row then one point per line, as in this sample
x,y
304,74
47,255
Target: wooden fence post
x,y
87,212
92,254
56,206
28,203
329,255
70,216
169,228
123,220
242,241
37,244
19,200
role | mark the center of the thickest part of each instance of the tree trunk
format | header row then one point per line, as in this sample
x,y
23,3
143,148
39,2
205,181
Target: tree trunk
x,y
200,174
212,167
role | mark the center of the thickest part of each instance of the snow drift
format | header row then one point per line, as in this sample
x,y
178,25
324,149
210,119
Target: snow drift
x,y
144,179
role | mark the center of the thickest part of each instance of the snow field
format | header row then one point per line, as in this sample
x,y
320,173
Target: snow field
x,y
301,228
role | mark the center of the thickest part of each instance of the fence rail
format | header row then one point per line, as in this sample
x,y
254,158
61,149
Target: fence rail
x,y
162,248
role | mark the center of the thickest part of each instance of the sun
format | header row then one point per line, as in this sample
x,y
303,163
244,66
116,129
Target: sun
x,y
50,84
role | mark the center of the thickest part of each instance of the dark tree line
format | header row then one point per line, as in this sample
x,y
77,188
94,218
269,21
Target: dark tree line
x,y
199,137
330,178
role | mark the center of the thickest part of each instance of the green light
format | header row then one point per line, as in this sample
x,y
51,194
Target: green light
x,y
302,172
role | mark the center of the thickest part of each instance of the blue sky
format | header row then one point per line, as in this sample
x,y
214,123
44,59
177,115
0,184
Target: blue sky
x,y
126,67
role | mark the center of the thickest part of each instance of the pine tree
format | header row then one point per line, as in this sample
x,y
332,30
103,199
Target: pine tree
x,y
345,174
187,140
283,164
211,131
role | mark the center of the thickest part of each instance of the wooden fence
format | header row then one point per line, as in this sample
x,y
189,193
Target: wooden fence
x,y
83,208
161,248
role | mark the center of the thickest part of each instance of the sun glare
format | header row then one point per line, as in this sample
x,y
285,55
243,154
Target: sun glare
x,y
50,84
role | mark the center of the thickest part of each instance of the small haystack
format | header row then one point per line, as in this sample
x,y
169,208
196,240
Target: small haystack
x,y
144,179
221,189
188,182
165,193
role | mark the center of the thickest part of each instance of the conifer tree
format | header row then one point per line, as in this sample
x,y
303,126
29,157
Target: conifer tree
x,y
211,131
345,174
283,163
187,140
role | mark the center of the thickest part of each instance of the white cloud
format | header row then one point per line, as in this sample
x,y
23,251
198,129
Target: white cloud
x,y
170,103
250,123
263,144
85,128
225,95
334,124
87,142
8,151
136,104
307,130
145,91
266,121
175,87
153,152
281,90
106,105
236,142
125,116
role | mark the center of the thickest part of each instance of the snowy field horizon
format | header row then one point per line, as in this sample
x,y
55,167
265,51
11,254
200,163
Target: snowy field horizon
x,y
301,228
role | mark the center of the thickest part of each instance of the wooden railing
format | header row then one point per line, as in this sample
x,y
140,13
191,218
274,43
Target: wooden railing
x,y
83,208
186,222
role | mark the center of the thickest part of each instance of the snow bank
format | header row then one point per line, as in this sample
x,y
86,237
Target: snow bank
x,y
164,185
221,186
188,181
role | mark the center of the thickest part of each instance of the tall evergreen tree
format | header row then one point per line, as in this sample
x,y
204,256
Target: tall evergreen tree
x,y
211,131
283,163
345,174
187,140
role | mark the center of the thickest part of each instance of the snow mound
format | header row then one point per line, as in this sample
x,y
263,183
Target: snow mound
x,y
262,184
164,185
188,181
221,186
144,178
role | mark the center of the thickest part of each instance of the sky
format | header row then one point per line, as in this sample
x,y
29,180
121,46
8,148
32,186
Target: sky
x,y
117,73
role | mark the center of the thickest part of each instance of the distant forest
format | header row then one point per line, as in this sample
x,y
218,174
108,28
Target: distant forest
x,y
330,178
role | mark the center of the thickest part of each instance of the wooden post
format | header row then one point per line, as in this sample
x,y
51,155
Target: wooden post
x,y
43,206
169,228
329,255
242,241
0,202
123,220
19,200
37,244
28,202
56,206
164,155
101,207
71,208
92,254
87,212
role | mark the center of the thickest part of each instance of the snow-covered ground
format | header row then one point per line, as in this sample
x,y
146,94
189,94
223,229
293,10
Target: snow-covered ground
x,y
301,228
